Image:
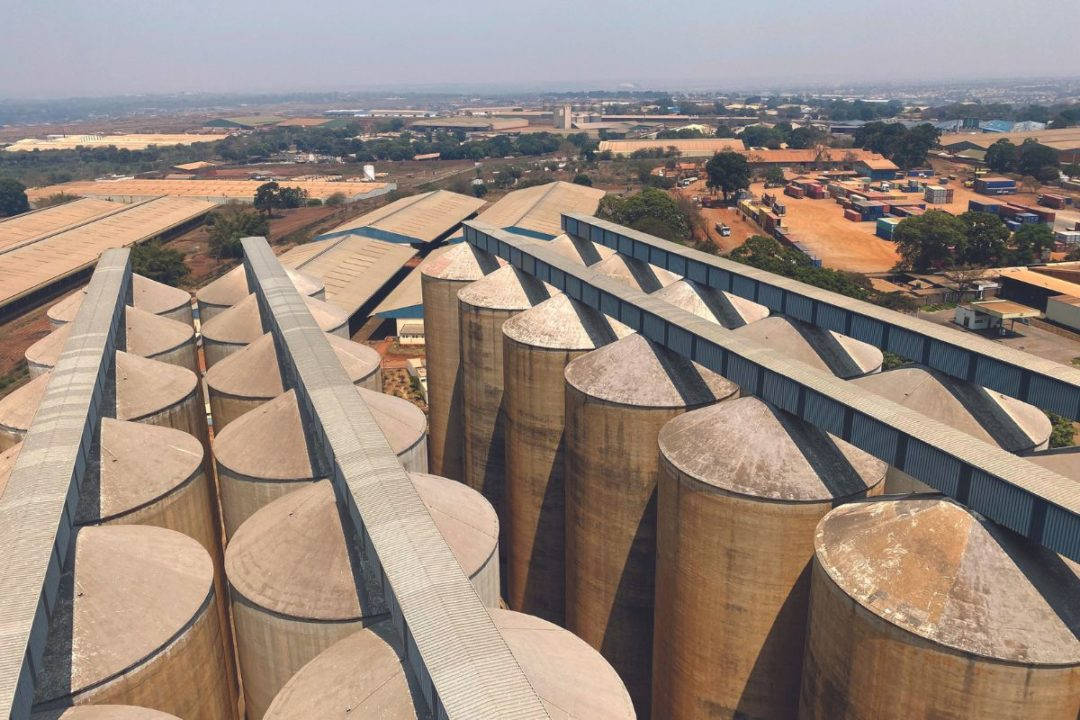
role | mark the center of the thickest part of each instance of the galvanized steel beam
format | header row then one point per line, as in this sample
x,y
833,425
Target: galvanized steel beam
x,y
963,355
37,507
465,669
1018,494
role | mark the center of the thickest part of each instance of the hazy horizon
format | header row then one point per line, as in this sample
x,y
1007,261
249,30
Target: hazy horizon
x,y
122,47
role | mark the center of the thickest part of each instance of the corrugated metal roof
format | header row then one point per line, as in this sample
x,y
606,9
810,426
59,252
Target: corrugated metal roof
x,y
35,225
41,263
538,210
352,268
126,142
243,190
419,218
697,147
1061,139
1044,281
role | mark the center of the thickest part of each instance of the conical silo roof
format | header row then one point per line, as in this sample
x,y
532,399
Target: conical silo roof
x,y
506,289
242,324
635,273
578,250
562,323
232,287
148,295
17,408
825,350
462,262
144,386
103,712
722,308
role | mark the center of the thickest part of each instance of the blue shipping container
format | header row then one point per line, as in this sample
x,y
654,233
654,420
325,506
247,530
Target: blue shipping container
x,y
1012,224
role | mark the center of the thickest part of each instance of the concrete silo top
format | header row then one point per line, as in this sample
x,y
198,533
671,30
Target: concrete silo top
x,y
253,370
462,262
363,675
232,287
578,250
981,413
46,351
638,274
1063,461
7,464
635,371
139,464
103,712
748,447
722,308
138,587
269,442
290,556
825,350
506,289
147,295
563,323
242,324
937,570
149,334
17,408
144,387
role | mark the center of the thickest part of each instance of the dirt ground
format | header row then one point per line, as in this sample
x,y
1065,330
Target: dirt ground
x,y
19,334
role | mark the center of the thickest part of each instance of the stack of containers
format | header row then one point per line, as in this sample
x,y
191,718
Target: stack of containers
x,y
984,206
885,227
794,191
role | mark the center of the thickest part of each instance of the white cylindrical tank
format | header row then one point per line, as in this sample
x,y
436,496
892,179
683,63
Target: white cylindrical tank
x,y
251,376
825,350
235,327
147,295
920,608
742,488
293,582
441,277
137,623
263,454
367,673
232,287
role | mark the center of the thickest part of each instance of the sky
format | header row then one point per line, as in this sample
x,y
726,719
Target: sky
x,y
68,48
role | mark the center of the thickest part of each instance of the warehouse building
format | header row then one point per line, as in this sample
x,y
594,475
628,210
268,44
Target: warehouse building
x,y
216,191
123,142
1033,288
470,124
28,227
697,147
1065,141
417,220
537,211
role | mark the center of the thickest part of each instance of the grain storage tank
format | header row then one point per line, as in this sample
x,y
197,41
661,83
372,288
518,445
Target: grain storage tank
x,y
742,488
147,295
146,335
235,327
485,305
638,274
920,608
103,712
441,277
293,584
821,349
157,393
251,376
578,250
142,628
537,345
722,308
1064,461
17,410
7,463
232,287
367,673
984,414
617,399
263,454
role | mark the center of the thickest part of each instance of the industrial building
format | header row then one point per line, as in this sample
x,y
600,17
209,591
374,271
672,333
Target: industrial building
x,y
470,124
122,142
418,220
1033,288
1065,142
703,147
535,211
36,225
215,191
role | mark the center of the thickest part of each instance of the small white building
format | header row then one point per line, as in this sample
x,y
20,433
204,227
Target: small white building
x,y
410,331
990,314
1064,310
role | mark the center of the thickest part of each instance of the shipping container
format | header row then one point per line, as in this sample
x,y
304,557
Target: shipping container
x,y
853,215
1012,224
994,186
1068,237
1057,202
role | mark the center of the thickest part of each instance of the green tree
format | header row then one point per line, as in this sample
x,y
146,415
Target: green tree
x,y
582,179
651,211
774,175
761,136
228,226
1001,156
291,197
1030,242
728,172
267,198
12,197
926,242
986,240
723,130
1062,431
479,189
159,263
336,199
804,138
1037,160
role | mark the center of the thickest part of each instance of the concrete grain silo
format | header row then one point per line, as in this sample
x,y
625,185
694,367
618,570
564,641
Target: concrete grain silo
x,y
146,335
920,608
147,295
485,305
617,399
1064,461
441,277
825,350
251,376
366,676
984,414
742,488
293,584
722,308
137,623
232,287
235,327
263,454
578,250
157,393
638,274
17,410
103,712
537,345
